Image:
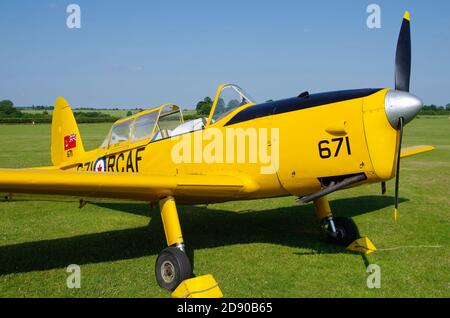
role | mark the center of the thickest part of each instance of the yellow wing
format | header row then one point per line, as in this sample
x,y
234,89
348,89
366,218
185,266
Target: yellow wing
x,y
415,150
185,188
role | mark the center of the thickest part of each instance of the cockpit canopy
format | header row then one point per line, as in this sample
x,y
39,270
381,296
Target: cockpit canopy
x,y
167,120
228,98
151,125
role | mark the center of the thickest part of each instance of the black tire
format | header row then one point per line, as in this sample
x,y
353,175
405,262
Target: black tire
x,y
346,229
172,267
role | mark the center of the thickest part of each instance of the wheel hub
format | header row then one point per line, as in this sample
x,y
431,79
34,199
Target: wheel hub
x,y
340,233
167,272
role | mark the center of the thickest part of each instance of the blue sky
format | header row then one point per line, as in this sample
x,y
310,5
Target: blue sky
x,y
144,53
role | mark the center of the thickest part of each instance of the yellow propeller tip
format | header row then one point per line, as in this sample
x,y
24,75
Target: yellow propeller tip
x,y
395,215
407,16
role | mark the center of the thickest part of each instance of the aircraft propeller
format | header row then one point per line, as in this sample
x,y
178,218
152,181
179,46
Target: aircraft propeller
x,y
402,81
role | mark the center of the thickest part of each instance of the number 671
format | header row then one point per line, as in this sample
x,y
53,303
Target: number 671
x,y
325,151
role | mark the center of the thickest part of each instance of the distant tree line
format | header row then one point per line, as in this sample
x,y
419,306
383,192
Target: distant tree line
x,y
435,110
42,107
204,106
12,115
94,117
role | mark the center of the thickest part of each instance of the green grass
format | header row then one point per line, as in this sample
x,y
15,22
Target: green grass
x,y
265,248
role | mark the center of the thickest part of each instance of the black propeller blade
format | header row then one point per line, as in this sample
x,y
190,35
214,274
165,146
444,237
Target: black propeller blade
x,y
403,56
397,172
402,81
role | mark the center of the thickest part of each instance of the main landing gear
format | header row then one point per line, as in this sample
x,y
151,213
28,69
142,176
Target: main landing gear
x,y
338,230
172,265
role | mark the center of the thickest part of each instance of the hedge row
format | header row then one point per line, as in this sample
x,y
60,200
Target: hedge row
x,y
80,120
192,116
439,112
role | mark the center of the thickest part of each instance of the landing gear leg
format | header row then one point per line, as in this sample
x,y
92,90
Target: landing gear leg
x,y
172,265
338,230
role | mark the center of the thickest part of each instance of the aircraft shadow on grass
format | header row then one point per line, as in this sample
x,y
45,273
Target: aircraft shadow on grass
x,y
294,226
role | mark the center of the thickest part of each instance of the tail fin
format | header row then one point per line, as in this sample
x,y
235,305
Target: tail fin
x,y
66,139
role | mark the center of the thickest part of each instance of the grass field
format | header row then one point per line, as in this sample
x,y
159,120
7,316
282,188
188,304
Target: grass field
x,y
266,248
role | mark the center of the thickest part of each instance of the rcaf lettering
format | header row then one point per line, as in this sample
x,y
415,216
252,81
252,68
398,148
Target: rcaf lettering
x,y
130,167
138,158
111,161
120,158
122,162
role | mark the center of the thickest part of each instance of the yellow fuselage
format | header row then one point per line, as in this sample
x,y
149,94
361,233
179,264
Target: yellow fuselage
x,y
315,142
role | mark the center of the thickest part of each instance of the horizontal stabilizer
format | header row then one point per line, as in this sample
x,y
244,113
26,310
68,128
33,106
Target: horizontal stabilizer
x,y
415,150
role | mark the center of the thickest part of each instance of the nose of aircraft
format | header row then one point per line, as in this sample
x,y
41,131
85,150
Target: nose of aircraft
x,y
401,104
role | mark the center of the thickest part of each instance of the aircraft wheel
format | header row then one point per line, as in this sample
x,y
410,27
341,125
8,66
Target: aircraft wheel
x,y
172,267
346,231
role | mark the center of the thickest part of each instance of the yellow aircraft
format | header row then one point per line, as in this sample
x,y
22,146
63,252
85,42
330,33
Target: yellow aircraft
x,y
316,144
